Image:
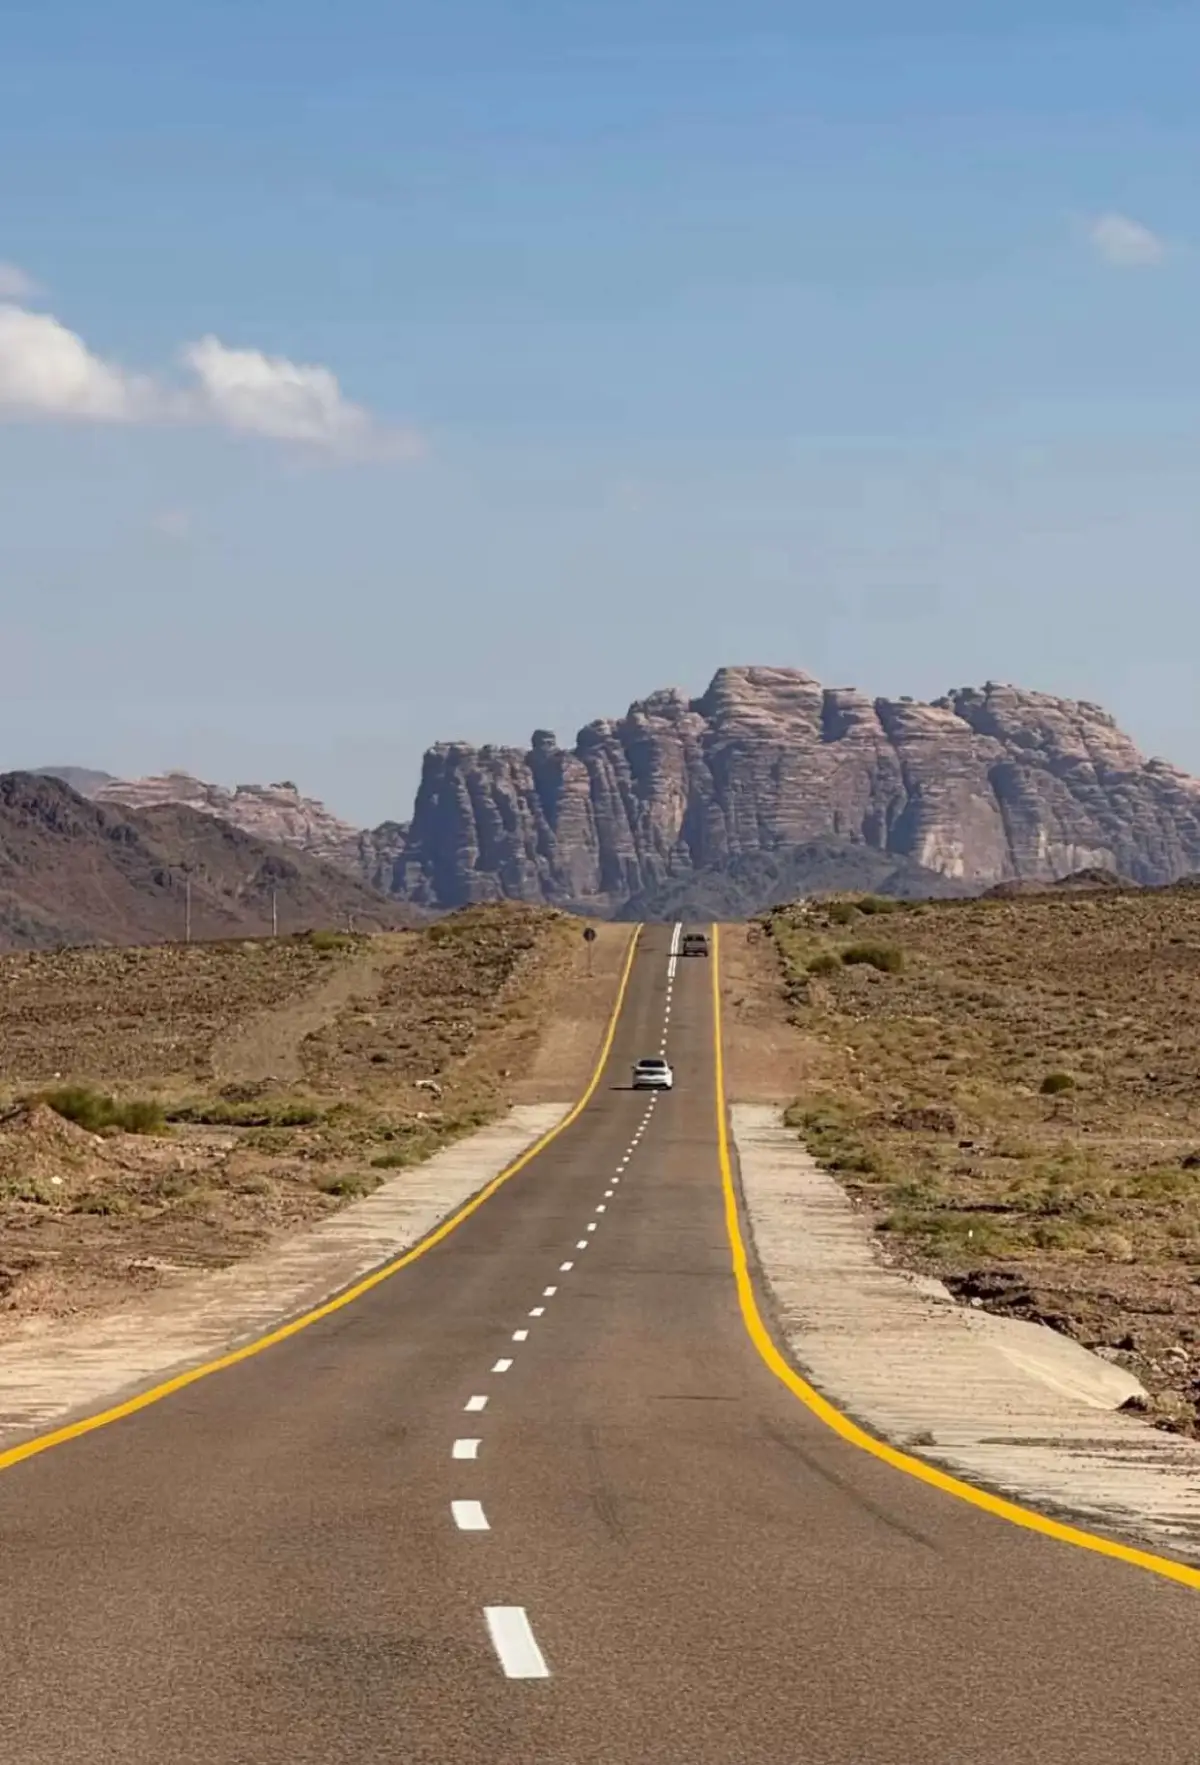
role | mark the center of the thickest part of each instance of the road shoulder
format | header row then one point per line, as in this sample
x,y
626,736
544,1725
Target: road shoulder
x,y
1020,1411
51,1373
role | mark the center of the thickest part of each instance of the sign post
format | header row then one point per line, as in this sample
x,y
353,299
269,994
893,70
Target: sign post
x,y
589,938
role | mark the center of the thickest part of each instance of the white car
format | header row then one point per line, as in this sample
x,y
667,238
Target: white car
x,y
652,1075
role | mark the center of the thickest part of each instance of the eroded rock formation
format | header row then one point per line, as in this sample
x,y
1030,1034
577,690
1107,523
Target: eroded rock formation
x,y
983,785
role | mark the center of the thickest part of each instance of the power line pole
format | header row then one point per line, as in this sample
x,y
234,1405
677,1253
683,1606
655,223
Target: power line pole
x,y
274,913
187,909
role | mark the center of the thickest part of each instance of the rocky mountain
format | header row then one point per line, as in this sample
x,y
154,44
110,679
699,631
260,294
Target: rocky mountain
x,y
981,786
79,871
767,786
275,812
84,779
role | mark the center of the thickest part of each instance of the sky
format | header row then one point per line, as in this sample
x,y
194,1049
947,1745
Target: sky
x,y
380,373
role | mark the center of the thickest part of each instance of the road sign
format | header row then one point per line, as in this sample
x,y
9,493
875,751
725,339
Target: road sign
x,y
589,933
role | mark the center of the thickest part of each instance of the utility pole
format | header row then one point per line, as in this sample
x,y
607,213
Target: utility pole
x,y
274,913
187,909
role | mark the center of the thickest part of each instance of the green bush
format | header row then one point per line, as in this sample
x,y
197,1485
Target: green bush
x,y
327,942
826,963
885,957
99,1113
280,1113
1055,1083
348,1185
843,912
108,1203
396,1159
877,904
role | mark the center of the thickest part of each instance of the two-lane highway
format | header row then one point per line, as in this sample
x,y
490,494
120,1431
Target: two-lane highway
x,y
538,1499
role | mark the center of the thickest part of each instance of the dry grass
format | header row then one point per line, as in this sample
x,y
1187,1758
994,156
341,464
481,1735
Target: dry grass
x,y
1017,1101
268,1083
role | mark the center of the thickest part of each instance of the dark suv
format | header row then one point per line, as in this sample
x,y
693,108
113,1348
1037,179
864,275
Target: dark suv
x,y
694,944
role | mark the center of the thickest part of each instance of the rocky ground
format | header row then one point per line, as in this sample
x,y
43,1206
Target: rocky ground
x,y
1011,1087
170,1109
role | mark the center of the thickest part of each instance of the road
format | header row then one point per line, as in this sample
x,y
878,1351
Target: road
x,y
329,1553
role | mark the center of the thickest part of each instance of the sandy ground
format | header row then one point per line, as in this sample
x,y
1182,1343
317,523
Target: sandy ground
x,y
295,1079
576,1007
266,1046
767,1060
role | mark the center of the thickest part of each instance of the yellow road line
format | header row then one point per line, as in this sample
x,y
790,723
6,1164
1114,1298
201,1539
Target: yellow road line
x,y
842,1425
29,1449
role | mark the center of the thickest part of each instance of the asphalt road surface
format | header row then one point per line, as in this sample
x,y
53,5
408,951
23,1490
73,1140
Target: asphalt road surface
x,y
640,1548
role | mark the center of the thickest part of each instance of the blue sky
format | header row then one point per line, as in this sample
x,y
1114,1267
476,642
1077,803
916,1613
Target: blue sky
x,y
650,336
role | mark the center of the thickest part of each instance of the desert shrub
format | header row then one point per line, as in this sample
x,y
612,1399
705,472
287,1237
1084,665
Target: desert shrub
x,y
265,1113
885,957
1055,1083
347,1185
327,942
826,963
99,1113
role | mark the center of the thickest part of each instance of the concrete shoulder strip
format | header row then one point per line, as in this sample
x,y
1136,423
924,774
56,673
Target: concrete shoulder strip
x,y
46,1374
1009,1405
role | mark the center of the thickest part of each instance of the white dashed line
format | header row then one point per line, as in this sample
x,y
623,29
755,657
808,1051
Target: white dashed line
x,y
513,1640
591,1225
501,1366
469,1516
538,1311
582,1245
564,1266
549,1292
475,1403
608,1194
600,1207
466,1449
520,1335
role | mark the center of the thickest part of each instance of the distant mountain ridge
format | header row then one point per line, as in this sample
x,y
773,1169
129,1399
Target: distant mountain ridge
x,y
979,787
276,812
766,785
74,871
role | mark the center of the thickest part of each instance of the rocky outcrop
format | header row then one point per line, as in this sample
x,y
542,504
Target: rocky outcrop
x,y
275,812
80,872
981,786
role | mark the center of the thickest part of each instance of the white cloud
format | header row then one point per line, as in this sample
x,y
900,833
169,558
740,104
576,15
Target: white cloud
x,y
1126,243
15,283
48,372
259,394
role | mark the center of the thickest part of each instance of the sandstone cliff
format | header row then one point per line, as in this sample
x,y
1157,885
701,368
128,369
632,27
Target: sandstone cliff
x,y
275,812
981,786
